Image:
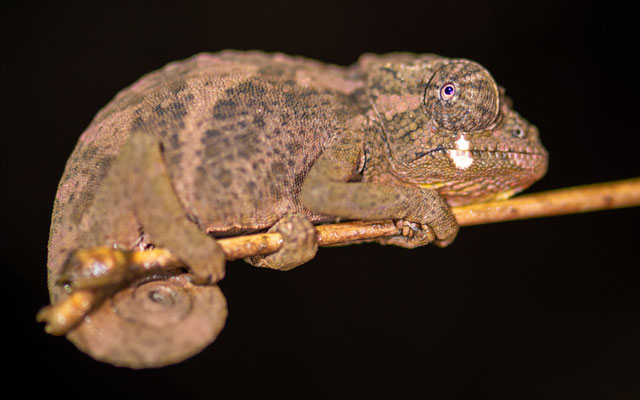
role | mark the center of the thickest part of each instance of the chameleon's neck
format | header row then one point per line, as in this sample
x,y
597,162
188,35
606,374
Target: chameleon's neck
x,y
378,166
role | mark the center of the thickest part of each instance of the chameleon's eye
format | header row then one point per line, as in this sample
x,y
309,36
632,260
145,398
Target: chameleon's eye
x,y
447,91
517,132
461,96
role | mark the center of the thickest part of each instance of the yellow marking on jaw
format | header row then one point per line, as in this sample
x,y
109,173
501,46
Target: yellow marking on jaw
x,y
502,195
436,185
470,190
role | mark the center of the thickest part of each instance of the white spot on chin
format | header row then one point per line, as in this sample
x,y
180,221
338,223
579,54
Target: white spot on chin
x,y
461,157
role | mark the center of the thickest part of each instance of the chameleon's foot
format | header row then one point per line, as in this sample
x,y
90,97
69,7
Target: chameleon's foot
x,y
413,235
299,244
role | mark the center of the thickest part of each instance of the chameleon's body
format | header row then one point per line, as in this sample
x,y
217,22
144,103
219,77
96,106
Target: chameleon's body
x,y
235,142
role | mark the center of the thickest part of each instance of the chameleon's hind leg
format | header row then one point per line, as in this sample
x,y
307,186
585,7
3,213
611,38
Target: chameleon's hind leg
x,y
299,244
141,176
163,217
154,320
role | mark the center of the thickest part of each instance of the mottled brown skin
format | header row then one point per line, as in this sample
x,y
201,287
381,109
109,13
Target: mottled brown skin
x,y
234,142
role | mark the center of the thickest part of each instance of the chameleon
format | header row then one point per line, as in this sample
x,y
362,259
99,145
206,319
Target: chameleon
x,y
236,142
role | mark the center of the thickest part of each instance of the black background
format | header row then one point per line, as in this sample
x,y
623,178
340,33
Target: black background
x,y
534,309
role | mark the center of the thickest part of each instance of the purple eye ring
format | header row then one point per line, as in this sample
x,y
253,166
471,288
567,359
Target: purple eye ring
x,y
447,91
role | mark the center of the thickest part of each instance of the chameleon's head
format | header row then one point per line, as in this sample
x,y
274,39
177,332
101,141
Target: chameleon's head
x,y
448,126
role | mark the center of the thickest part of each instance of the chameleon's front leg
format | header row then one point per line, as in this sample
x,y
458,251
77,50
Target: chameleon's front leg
x,y
421,213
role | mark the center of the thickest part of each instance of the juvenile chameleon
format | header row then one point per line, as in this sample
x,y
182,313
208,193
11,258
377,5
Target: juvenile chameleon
x,y
235,142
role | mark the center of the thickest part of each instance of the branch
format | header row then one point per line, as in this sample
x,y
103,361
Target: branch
x,y
62,317
579,199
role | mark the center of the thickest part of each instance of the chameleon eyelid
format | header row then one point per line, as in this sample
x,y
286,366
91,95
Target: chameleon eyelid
x,y
518,132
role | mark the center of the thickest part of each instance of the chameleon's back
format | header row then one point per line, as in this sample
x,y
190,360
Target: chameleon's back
x,y
239,133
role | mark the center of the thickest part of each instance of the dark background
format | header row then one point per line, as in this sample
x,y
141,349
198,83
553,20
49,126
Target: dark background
x,y
534,309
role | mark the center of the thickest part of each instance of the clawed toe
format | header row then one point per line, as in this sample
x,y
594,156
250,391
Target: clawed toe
x,y
412,234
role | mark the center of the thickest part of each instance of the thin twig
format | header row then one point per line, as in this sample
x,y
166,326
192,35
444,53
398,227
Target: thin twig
x,y
62,317
579,199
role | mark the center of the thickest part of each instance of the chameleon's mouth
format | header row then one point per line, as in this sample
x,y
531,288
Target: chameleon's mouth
x,y
488,152
525,158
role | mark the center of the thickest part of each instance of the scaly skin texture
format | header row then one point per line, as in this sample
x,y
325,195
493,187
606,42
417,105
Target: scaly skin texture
x,y
234,142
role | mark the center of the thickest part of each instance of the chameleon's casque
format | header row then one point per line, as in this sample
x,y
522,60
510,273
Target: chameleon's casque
x,y
221,144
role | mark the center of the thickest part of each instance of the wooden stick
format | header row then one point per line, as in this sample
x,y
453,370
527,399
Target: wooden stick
x,y
62,317
601,196
573,200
